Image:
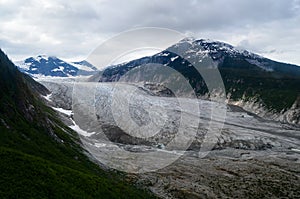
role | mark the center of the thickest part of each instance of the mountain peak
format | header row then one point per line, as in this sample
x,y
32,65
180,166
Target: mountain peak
x,y
43,65
43,56
223,54
214,46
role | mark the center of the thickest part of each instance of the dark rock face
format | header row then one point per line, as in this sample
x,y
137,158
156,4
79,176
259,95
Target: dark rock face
x,y
117,135
157,90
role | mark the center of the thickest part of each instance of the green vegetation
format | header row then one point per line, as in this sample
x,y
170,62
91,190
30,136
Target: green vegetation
x,y
276,91
40,156
27,176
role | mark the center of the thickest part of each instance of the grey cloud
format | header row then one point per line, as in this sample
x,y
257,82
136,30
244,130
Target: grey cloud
x,y
73,28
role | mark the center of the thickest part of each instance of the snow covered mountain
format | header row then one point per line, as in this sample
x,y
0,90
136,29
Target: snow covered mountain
x,y
224,55
258,84
43,65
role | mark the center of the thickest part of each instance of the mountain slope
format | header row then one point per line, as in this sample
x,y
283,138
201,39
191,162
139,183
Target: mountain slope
x,y
52,66
258,84
40,156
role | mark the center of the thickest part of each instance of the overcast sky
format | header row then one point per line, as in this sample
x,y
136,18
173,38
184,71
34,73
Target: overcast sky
x,y
72,29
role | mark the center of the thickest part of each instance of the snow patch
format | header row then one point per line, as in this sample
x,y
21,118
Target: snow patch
x,y
76,128
40,57
260,64
296,150
173,58
165,54
81,67
47,97
64,111
98,145
23,65
61,68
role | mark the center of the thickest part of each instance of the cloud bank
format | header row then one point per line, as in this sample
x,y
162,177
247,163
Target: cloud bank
x,y
72,29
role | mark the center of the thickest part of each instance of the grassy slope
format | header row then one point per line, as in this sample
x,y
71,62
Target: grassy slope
x,y
40,157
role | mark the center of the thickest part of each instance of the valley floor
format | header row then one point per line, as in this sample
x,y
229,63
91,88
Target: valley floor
x,y
248,157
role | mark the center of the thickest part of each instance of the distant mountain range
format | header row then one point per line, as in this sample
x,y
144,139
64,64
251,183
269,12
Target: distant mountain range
x,y
43,65
258,84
